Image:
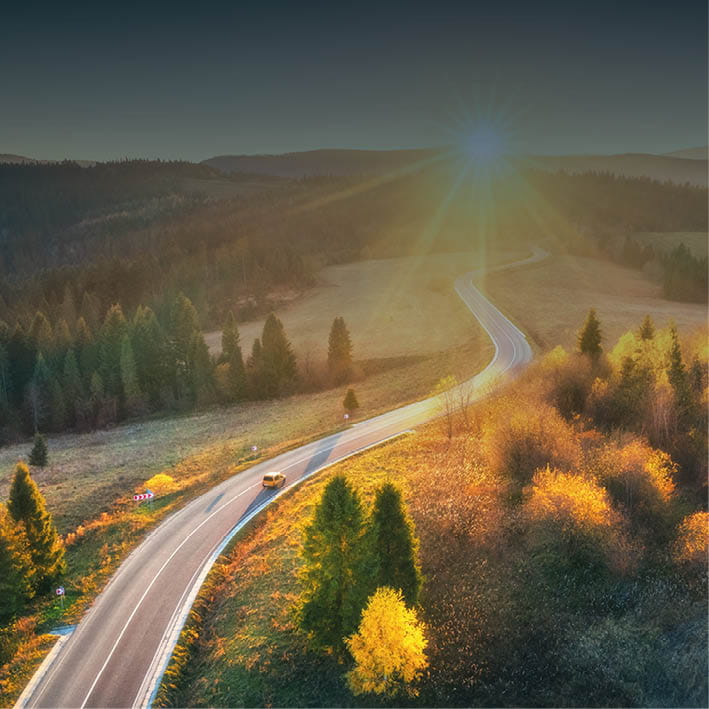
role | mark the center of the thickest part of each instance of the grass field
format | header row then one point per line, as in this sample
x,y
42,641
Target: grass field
x,y
550,299
393,307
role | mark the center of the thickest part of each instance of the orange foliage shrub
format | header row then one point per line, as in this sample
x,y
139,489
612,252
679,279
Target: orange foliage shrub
x,y
520,438
693,538
575,501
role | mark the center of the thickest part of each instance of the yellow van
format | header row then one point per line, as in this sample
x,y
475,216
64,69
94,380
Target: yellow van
x,y
274,480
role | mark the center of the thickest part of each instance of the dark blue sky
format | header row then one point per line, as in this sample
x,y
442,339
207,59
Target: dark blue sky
x,y
176,81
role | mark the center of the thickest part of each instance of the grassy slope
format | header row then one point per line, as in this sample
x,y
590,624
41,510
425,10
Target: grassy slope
x,y
392,307
558,292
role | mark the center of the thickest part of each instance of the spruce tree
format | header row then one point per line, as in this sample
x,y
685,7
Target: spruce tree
x,y
278,360
201,370
41,334
27,507
57,406
183,325
647,329
40,396
152,356
133,396
334,554
677,375
16,569
74,395
86,351
350,402
339,352
589,339
111,336
39,455
394,544
231,354
254,371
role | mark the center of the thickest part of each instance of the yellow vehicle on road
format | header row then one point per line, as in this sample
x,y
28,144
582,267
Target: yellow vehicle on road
x,y
274,480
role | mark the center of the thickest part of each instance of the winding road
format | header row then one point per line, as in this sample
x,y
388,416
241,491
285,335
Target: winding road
x,y
119,651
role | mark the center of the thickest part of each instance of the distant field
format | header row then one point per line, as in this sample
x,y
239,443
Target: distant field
x,y
551,299
393,307
696,241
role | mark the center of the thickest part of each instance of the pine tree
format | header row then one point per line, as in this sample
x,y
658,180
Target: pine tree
x,y
278,360
86,351
334,554
133,396
152,356
39,455
231,354
183,324
40,396
114,329
589,339
647,329
350,402
41,334
394,544
27,507
339,353
73,389
677,375
201,370
388,648
16,569
254,371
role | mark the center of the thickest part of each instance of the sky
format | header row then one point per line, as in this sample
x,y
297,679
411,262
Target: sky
x,y
111,80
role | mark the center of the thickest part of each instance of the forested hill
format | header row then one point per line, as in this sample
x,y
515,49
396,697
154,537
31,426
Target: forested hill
x,y
140,232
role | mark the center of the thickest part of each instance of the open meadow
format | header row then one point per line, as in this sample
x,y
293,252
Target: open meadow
x,y
549,299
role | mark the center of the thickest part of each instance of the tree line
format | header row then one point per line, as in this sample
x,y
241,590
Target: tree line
x,y
95,372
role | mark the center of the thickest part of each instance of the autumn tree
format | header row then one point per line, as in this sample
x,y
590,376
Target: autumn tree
x,y
589,338
339,352
16,568
388,648
334,556
394,544
232,355
27,507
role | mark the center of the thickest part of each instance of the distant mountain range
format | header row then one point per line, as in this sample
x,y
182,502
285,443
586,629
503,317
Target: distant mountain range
x,y
683,166
688,165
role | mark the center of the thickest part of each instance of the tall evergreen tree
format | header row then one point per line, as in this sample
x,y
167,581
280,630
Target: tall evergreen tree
x,y
589,339
114,329
41,334
22,358
73,389
254,371
231,354
278,360
39,455
334,554
16,568
339,352
201,370
152,356
27,507
677,375
647,329
40,396
133,396
58,412
86,351
183,325
394,544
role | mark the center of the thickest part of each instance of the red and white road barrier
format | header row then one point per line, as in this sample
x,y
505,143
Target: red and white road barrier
x,y
143,496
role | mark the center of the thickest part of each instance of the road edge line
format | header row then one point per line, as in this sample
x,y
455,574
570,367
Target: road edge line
x,y
41,672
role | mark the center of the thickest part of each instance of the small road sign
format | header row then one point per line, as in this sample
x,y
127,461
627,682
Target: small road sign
x,y
346,417
60,591
144,496
254,449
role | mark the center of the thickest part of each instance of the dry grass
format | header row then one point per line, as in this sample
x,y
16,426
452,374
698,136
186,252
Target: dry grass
x,y
550,299
393,307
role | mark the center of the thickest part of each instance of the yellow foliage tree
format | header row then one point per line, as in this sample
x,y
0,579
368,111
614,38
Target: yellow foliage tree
x,y
161,484
693,538
389,647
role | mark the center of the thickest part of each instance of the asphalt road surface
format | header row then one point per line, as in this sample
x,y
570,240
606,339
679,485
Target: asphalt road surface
x,y
118,652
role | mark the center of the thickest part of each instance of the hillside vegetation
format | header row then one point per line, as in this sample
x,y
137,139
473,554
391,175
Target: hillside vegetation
x,y
563,542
